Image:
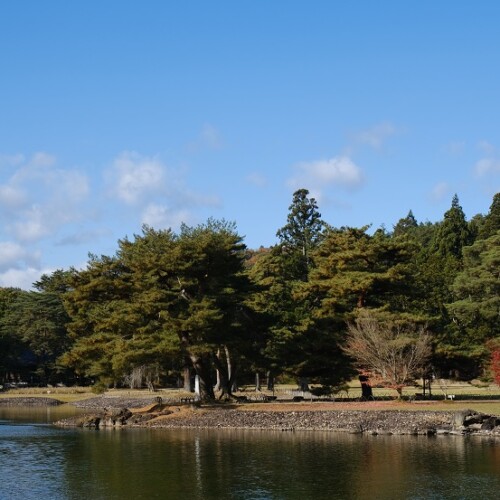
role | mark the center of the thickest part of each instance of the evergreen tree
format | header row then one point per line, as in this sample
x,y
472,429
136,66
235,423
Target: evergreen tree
x,y
162,295
453,233
405,225
302,232
11,347
491,222
476,290
355,269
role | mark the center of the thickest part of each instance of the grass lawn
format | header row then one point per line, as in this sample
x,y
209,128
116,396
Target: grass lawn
x,y
468,396
64,394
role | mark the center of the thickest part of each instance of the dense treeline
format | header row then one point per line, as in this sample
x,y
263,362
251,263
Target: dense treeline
x,y
168,305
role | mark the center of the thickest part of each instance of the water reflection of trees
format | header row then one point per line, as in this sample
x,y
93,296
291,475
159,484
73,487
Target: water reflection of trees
x,y
254,464
423,467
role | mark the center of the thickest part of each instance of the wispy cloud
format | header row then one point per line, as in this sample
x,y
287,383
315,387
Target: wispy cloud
x,y
83,236
13,255
160,216
337,172
486,147
134,177
11,160
487,166
375,136
38,197
454,148
256,179
440,191
159,192
12,197
22,278
209,138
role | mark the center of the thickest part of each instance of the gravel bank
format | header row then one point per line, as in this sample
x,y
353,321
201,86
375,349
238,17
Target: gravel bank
x,y
375,422
29,402
101,402
399,422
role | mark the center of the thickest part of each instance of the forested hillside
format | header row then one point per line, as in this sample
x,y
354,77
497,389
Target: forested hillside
x,y
169,304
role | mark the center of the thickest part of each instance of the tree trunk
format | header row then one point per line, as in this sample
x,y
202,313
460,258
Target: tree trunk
x,y
202,368
304,384
257,381
218,382
226,370
186,372
229,365
270,381
366,388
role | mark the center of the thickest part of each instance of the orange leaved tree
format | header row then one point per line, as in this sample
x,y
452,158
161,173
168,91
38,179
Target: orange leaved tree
x,y
394,353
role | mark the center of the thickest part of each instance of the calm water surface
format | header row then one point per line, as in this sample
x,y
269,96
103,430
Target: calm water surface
x,y
43,462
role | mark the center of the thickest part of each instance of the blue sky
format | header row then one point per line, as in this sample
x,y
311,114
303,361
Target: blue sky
x,y
118,113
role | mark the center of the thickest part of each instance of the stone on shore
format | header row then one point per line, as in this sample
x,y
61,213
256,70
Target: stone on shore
x,y
375,422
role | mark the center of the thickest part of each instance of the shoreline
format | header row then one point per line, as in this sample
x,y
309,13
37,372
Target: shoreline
x,y
363,418
284,417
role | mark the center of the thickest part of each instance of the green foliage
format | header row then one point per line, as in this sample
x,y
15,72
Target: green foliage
x,y
355,269
407,225
453,234
36,324
162,296
491,223
10,344
200,295
302,232
476,308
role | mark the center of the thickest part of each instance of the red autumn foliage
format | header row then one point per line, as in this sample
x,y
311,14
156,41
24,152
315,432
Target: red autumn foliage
x,y
495,364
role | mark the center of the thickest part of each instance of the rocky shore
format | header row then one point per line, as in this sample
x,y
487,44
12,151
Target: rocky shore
x,y
20,401
101,402
398,422
153,412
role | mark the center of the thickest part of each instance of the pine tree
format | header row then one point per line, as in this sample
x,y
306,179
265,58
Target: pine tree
x,y
491,222
302,232
162,296
406,225
453,233
476,308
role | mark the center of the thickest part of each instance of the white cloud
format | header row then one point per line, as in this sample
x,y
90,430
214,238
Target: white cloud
x,y
440,191
257,179
454,148
486,147
39,198
33,226
161,217
42,159
38,168
209,138
376,135
146,183
11,197
13,255
22,278
338,171
11,160
136,177
487,166
74,186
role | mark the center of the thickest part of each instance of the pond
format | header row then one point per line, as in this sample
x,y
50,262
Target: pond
x,y
39,461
